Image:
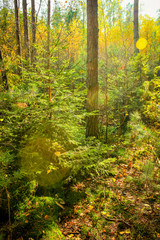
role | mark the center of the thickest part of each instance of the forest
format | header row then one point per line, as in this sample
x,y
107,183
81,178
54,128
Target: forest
x,y
79,121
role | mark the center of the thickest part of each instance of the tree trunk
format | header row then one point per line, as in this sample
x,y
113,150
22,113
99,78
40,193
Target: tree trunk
x,y
26,35
136,25
17,28
48,48
3,77
83,9
92,67
106,83
106,75
33,52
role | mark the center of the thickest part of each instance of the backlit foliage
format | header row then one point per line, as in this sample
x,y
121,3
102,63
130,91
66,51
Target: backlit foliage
x,y
54,183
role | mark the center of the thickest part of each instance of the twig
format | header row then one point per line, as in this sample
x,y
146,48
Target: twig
x,y
7,227
59,205
38,9
117,220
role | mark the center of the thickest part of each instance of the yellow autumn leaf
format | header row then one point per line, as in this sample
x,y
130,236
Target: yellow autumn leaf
x,y
141,43
48,171
57,154
158,235
127,231
103,213
90,207
71,235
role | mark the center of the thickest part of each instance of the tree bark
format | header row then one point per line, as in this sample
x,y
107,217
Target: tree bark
x,y
33,52
26,34
3,77
92,67
17,28
106,82
136,26
48,48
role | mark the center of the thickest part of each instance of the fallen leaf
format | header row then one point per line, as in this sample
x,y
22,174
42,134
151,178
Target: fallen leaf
x,y
46,217
127,231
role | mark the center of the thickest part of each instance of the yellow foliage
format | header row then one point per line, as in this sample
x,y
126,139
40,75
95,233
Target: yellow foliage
x,y
57,154
74,39
151,32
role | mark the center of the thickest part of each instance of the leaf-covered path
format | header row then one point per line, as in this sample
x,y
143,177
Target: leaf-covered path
x,y
124,205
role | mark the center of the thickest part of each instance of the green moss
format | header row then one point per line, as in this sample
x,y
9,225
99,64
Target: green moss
x,y
53,233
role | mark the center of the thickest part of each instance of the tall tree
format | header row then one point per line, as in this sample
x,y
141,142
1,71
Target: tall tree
x,y
17,28
3,77
33,51
26,34
136,25
3,74
48,47
106,76
92,67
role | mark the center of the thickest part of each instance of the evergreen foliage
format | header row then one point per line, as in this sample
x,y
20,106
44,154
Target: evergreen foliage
x,y
55,183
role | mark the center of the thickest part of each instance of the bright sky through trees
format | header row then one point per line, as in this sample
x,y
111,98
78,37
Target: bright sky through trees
x,y
149,7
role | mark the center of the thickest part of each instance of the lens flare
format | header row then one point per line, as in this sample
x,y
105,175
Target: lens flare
x,y
141,43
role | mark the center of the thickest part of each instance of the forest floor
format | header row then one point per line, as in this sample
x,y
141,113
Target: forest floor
x,y
124,205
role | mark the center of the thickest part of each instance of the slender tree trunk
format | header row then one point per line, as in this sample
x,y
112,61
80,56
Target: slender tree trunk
x,y
92,67
39,9
106,82
106,75
26,34
48,46
83,9
19,68
136,25
33,52
17,28
3,73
